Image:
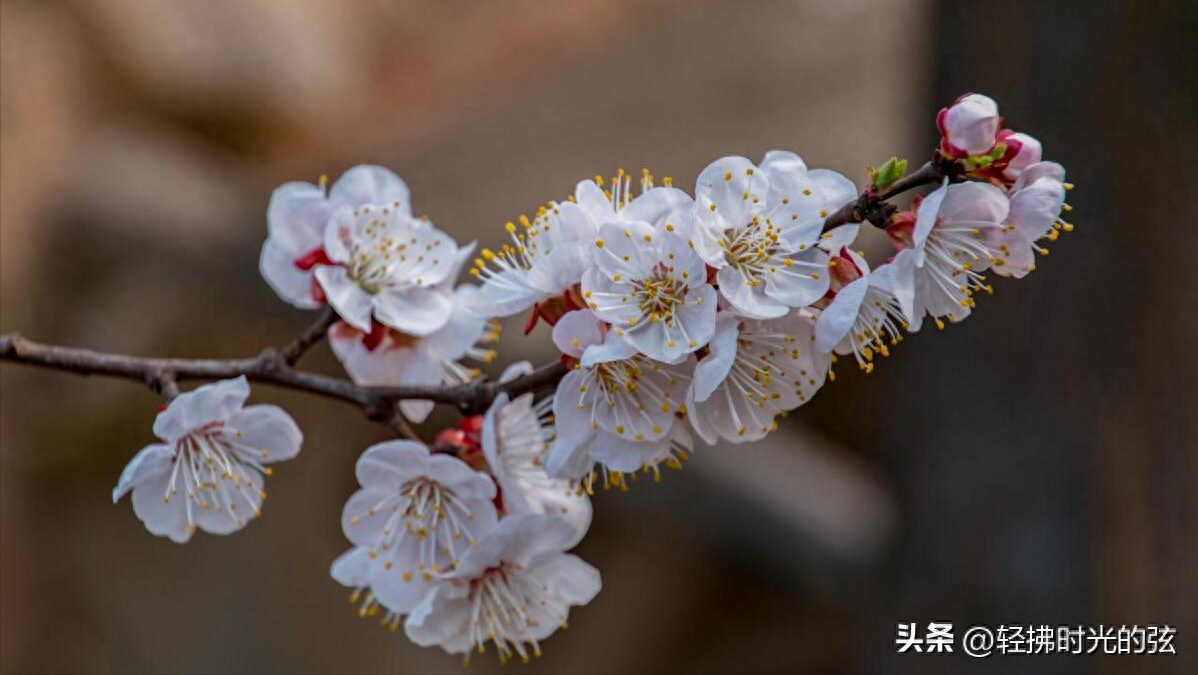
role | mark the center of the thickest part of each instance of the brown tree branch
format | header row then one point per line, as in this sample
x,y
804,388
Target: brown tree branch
x,y
270,367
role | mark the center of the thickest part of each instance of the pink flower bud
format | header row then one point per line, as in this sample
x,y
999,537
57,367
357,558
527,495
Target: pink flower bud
x,y
1022,151
969,126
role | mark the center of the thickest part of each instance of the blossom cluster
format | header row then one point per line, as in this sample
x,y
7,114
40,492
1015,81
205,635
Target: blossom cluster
x,y
678,314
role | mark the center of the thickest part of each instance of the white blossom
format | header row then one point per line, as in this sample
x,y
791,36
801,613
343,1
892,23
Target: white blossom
x,y
516,436
416,514
616,406
651,286
298,216
754,371
1037,198
549,253
514,589
391,266
388,357
864,318
970,125
1027,151
758,226
949,248
208,471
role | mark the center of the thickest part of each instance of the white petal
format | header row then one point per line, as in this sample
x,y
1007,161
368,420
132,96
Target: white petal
x,y
352,304
653,205
161,518
516,370
929,210
568,577
713,368
623,250
366,184
208,403
750,301
776,161
291,283
593,202
296,218
527,536
736,188
837,319
350,568
392,463
150,462
839,238
415,311
801,283
244,504
613,348
562,267
903,280
505,293
421,369
441,619
268,431
572,422
576,331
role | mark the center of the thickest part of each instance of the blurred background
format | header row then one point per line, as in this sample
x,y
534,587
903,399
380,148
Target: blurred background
x,y
1035,464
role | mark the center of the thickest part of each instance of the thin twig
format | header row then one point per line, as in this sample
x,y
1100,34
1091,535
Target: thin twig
x,y
873,208
314,333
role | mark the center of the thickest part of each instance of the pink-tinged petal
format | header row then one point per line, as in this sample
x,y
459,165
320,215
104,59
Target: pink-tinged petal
x,y
1037,171
150,462
381,366
291,283
366,184
713,368
415,311
267,431
352,304
972,124
1036,207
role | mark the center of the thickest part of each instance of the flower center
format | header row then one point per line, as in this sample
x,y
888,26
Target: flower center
x,y
215,471
500,605
659,294
430,515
